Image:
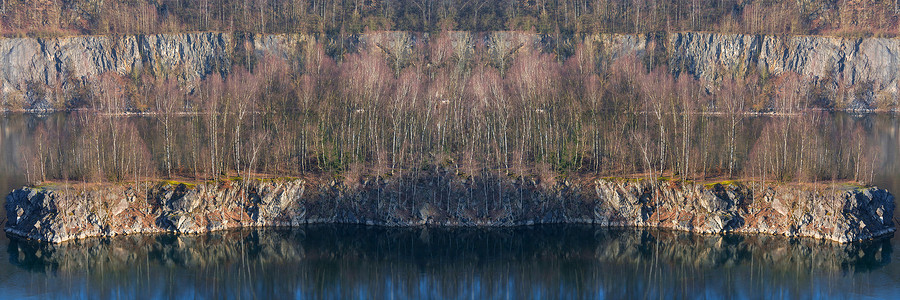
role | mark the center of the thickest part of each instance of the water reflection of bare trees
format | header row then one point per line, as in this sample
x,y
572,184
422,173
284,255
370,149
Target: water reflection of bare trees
x,y
464,112
556,261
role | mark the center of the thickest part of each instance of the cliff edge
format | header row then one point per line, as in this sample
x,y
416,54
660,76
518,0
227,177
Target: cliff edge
x,y
840,213
48,73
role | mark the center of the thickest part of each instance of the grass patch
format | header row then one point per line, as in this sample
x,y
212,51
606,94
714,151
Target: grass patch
x,y
48,186
177,183
723,182
277,179
851,186
623,179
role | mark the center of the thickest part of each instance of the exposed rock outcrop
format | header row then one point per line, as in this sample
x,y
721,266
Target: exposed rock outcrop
x,y
871,65
844,215
39,71
45,73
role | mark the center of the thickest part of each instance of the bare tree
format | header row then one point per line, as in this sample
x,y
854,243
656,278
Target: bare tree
x,y
242,87
658,87
112,101
167,100
731,101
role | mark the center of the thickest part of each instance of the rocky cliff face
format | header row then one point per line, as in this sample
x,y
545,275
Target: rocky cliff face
x,y
870,64
48,73
832,213
41,73
866,68
38,72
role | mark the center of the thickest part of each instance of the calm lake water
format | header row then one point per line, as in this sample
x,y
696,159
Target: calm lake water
x,y
561,261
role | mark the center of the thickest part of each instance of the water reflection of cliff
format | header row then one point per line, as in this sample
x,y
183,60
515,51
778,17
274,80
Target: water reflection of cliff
x,y
372,262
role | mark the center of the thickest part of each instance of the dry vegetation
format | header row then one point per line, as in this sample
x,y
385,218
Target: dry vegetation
x,y
366,115
558,17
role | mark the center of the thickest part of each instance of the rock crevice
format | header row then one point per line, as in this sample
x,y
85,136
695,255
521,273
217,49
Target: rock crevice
x,y
41,73
841,214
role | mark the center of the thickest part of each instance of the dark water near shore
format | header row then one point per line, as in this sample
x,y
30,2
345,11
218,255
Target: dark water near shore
x,y
379,263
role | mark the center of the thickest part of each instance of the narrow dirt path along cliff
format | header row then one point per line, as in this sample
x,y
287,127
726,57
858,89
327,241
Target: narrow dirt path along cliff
x,y
842,213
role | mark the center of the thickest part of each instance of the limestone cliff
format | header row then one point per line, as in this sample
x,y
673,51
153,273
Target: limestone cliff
x,y
842,214
41,71
869,64
45,73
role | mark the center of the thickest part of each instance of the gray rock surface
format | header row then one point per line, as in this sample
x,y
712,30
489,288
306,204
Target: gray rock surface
x,y
869,63
839,213
40,73
866,68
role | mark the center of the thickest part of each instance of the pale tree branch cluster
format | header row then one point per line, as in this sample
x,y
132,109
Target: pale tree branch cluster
x,y
446,109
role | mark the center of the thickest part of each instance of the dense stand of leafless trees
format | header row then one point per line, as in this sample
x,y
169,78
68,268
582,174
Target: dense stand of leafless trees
x,y
531,115
556,17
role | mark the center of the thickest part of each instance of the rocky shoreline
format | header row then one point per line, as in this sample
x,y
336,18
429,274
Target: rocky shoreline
x,y
837,212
